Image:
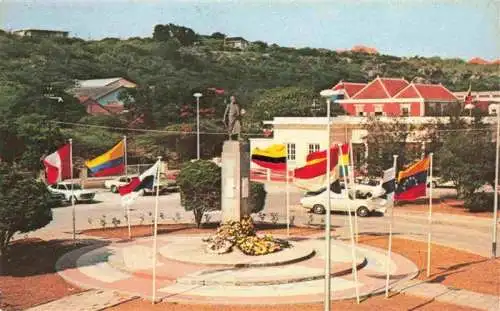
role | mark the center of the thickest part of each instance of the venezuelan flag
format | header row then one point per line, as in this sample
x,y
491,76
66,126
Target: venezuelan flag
x,y
109,163
412,182
273,157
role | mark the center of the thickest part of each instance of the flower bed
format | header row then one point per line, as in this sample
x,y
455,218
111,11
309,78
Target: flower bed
x,y
242,234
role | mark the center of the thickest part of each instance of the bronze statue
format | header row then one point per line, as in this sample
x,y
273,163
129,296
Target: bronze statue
x,y
232,119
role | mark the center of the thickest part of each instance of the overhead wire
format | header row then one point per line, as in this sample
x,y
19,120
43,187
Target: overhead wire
x,y
480,129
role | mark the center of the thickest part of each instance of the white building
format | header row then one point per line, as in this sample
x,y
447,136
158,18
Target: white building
x,y
304,135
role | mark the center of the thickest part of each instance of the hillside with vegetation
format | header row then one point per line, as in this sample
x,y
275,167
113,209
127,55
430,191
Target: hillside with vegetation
x,y
173,64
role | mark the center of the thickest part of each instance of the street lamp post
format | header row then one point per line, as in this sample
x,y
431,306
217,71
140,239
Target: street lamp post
x,y
495,191
197,95
328,95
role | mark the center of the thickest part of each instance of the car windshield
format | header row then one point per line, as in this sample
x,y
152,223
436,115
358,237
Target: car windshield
x,y
75,187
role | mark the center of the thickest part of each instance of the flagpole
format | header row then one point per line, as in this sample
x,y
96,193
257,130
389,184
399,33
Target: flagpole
x,y
353,245
495,191
389,249
351,173
287,201
429,233
72,198
155,233
328,214
126,176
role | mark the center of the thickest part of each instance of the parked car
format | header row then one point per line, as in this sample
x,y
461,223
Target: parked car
x,y
56,199
316,202
438,182
78,194
117,182
167,183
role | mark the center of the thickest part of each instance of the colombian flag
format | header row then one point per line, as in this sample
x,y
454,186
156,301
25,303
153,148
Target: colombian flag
x,y
412,182
312,176
109,163
273,157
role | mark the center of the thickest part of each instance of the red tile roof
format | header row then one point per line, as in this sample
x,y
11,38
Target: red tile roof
x,y
408,92
364,49
350,88
478,61
374,89
381,88
427,92
435,92
394,86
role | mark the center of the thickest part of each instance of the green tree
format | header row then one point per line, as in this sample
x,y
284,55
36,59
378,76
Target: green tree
x,y
200,187
283,102
218,35
25,204
185,35
26,139
386,139
466,156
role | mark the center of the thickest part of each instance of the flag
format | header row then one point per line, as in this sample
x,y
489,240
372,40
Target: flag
x,y
468,97
412,182
312,176
273,157
344,161
58,165
389,180
146,180
110,163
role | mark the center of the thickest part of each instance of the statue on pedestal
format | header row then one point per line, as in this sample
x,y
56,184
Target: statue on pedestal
x,y
232,119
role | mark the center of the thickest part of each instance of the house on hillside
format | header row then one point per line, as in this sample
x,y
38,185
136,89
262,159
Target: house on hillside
x,y
236,43
395,97
41,33
101,96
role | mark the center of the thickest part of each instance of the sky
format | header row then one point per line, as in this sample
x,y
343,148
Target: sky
x,y
445,28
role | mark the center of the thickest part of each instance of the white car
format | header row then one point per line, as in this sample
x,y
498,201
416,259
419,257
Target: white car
x,y
114,184
438,182
79,194
317,201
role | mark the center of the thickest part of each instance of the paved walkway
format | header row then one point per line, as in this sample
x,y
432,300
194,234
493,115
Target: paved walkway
x,y
91,300
442,293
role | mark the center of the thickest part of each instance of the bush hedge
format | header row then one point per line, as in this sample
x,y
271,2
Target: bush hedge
x,y
479,202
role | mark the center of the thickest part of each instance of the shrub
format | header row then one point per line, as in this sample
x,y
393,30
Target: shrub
x,y
200,187
25,204
257,197
479,202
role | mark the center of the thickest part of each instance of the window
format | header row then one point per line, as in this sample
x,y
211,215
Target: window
x,y
379,110
359,110
405,110
61,187
313,148
290,148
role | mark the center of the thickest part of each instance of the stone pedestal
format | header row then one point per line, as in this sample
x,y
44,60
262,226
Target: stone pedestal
x,y
235,180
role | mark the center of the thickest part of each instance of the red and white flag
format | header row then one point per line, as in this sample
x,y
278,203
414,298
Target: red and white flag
x,y
58,165
132,190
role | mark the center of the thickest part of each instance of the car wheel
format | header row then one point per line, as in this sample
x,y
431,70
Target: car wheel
x,y
318,209
114,189
434,184
362,211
